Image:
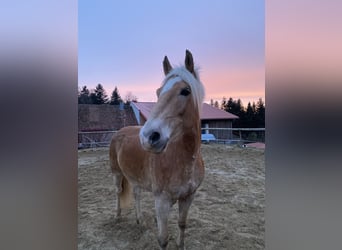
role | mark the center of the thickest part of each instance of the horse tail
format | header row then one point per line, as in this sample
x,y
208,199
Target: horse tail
x,y
126,193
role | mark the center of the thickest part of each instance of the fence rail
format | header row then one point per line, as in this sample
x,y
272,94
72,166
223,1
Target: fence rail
x,y
236,129
236,135
93,139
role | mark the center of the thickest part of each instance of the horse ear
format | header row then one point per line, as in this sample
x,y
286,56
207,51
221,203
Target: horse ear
x,y
166,65
189,62
158,92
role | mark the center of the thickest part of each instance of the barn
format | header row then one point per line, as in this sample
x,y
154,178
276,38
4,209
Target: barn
x,y
96,123
211,117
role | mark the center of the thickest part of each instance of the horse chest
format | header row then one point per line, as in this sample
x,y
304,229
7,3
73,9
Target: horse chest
x,y
187,187
180,183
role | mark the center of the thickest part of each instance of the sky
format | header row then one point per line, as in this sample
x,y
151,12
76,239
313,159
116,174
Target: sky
x,y
123,43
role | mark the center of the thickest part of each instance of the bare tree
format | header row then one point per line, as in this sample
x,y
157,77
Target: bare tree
x,y
130,98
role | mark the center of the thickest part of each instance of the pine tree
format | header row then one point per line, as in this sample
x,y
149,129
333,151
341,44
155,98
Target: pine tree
x,y
234,107
230,105
99,95
115,98
84,96
250,117
254,108
239,110
224,103
214,103
260,113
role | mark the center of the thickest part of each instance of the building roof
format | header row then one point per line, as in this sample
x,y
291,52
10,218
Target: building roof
x,y
208,112
211,113
144,108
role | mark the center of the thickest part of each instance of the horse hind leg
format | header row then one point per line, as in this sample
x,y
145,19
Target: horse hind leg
x,y
183,205
117,175
118,178
137,193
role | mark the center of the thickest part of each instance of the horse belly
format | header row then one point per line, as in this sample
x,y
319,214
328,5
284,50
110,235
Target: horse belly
x,y
133,163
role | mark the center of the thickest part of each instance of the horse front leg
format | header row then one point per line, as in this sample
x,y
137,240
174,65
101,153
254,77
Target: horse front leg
x,y
183,206
163,205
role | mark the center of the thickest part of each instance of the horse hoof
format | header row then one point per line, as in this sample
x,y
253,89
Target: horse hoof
x,y
180,247
163,245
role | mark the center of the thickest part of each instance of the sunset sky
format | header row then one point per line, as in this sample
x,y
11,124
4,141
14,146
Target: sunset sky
x,y
123,43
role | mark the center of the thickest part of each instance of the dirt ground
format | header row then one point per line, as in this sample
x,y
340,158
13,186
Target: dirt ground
x,y
227,212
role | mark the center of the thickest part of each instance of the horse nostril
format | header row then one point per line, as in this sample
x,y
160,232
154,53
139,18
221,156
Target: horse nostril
x,y
154,138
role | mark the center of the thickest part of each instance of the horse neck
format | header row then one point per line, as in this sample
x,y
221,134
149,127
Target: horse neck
x,y
192,132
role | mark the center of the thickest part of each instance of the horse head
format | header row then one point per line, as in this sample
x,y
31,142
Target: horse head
x,y
177,110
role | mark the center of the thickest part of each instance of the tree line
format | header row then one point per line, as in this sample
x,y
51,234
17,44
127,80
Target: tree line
x,y
99,96
253,116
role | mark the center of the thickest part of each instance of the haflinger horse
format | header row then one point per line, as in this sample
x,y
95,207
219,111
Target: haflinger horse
x,y
164,155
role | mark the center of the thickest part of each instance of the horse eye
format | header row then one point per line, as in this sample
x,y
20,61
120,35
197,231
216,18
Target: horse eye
x,y
185,91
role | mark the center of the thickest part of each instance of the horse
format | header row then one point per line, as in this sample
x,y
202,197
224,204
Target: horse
x,y
164,155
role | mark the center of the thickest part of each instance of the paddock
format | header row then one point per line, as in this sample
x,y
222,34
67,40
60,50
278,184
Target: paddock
x,y
227,212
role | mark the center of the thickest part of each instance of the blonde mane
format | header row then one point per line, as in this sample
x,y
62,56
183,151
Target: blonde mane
x,y
197,88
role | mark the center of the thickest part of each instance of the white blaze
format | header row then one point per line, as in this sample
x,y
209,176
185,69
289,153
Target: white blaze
x,y
169,84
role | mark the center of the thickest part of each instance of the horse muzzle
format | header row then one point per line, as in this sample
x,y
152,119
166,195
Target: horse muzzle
x,y
153,141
